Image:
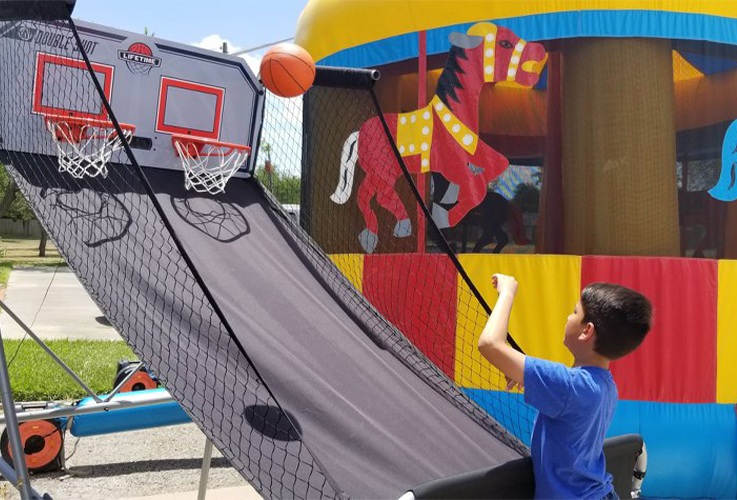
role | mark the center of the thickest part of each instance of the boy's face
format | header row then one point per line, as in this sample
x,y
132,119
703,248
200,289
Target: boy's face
x,y
574,326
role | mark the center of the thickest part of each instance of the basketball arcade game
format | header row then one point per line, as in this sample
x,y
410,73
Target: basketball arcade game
x,y
179,107
119,230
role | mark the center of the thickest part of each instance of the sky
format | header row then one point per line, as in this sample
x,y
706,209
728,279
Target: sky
x,y
243,24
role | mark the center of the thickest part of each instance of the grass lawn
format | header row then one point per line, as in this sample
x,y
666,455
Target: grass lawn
x,y
34,376
24,252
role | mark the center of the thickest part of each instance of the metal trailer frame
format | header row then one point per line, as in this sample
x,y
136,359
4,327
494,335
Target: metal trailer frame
x,y
14,414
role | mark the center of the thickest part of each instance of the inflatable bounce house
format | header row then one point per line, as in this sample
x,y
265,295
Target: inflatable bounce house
x,y
627,113
336,355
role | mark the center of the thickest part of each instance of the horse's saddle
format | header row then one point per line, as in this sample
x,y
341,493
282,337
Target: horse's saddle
x,y
415,131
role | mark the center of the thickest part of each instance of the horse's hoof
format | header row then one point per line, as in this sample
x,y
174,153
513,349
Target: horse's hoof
x,y
440,216
451,194
368,240
403,228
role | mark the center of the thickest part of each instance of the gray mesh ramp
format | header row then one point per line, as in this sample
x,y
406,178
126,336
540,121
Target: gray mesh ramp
x,y
304,401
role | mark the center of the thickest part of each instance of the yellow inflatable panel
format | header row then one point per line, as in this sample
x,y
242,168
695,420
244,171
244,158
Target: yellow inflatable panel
x,y
351,265
329,26
549,287
683,70
727,333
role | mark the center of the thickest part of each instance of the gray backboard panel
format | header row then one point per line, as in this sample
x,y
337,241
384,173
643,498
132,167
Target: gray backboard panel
x,y
158,86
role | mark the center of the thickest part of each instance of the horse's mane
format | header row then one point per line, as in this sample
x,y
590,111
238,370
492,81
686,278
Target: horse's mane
x,y
449,79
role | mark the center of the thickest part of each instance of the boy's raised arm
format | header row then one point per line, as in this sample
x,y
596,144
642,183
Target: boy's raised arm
x,y
493,341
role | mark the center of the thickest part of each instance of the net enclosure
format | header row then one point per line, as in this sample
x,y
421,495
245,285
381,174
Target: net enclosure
x,y
310,383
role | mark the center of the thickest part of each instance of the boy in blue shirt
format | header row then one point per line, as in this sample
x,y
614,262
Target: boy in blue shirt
x,y
575,405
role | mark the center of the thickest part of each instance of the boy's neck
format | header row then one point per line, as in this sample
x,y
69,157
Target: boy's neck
x,y
592,360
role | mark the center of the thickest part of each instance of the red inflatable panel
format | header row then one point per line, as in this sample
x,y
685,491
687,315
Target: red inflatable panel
x,y
677,361
424,288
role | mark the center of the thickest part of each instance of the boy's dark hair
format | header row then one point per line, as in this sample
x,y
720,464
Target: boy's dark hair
x,y
622,317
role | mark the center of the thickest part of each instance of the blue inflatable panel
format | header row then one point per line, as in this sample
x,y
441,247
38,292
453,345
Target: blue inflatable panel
x,y
550,26
128,419
691,448
726,187
516,424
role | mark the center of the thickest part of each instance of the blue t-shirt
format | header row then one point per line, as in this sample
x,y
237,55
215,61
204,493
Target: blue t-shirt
x,y
575,408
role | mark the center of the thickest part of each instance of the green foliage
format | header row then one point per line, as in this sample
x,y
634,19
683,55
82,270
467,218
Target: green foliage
x,y
19,209
285,186
527,197
5,268
34,376
24,252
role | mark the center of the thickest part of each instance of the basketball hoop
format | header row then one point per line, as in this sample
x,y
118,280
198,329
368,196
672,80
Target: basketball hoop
x,y
208,164
85,145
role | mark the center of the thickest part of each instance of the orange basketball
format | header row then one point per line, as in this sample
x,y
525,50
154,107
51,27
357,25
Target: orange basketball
x,y
287,70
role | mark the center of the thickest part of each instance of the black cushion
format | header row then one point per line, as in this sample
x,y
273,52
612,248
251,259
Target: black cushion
x,y
515,479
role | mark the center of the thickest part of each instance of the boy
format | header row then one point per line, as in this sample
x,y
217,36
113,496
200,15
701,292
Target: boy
x,y
575,404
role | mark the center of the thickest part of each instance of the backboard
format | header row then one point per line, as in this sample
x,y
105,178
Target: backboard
x,y
189,108
50,73
160,87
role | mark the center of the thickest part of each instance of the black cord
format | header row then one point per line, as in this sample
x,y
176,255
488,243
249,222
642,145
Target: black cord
x,y
431,222
187,259
43,301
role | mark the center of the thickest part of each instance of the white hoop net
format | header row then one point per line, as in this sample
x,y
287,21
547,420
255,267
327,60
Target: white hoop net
x,y
84,147
208,165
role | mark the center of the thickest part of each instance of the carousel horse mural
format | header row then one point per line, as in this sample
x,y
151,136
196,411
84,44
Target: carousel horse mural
x,y
496,217
443,136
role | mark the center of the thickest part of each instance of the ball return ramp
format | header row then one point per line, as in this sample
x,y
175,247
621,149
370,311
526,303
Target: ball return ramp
x,y
333,408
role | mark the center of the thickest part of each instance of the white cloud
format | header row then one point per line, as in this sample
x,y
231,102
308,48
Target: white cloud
x,y
215,42
253,62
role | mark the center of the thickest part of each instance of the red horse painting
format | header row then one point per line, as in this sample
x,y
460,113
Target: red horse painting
x,y
441,137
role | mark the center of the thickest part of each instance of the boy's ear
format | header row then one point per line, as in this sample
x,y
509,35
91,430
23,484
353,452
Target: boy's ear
x,y
588,332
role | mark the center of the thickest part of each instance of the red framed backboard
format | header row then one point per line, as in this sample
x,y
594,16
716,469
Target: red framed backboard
x,y
161,88
189,108
52,69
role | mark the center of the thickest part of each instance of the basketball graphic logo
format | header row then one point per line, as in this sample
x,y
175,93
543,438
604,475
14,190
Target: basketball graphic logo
x,y
22,32
139,58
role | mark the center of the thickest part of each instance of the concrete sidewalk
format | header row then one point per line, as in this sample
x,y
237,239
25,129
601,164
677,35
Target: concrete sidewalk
x,y
237,493
53,304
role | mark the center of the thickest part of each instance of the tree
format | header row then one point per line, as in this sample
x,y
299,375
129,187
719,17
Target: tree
x,y
285,186
268,167
12,203
9,194
14,206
